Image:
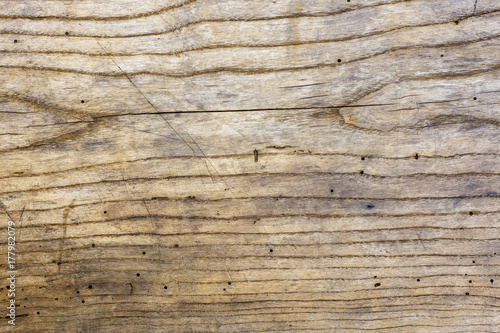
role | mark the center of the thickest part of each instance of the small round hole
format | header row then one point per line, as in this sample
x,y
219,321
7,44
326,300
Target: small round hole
x,y
270,250
83,101
377,284
475,98
339,60
467,294
471,213
83,301
176,245
229,283
416,156
66,33
105,212
361,172
473,261
224,289
492,280
331,191
56,299
143,253
362,158
90,286
78,291
138,274
442,55
93,245
470,281
165,287
418,280
38,313
456,22
15,40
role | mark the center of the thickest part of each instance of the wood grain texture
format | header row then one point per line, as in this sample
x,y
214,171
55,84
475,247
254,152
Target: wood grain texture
x,y
251,166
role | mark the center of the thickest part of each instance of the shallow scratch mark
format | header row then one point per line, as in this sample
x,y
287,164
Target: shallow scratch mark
x,y
210,174
147,99
150,218
5,210
421,242
208,160
227,271
474,11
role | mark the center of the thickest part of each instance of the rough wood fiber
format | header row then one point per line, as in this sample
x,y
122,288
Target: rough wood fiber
x,y
251,166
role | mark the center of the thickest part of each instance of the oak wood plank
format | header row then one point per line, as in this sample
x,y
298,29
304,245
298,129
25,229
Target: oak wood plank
x,y
251,166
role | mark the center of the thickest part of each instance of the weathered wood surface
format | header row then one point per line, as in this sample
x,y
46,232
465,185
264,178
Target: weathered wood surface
x,y
251,166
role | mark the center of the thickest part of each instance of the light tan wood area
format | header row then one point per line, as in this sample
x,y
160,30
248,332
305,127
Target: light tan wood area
x,y
251,166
